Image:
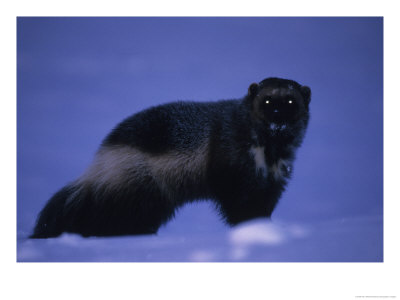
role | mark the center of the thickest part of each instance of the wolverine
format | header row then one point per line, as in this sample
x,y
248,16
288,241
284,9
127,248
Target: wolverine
x,y
237,153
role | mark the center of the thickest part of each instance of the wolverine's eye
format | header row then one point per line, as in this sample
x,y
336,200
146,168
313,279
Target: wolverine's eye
x,y
290,101
267,100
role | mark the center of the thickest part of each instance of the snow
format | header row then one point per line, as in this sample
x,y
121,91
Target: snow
x,y
261,240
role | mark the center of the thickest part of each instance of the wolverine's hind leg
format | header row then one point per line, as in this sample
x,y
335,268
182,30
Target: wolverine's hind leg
x,y
92,210
117,195
127,210
122,196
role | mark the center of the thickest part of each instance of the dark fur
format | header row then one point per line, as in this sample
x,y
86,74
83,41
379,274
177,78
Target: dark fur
x,y
227,130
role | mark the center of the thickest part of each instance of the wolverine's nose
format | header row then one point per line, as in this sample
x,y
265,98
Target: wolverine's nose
x,y
276,110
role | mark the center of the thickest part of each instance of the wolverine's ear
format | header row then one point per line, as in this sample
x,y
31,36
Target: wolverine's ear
x,y
306,93
253,89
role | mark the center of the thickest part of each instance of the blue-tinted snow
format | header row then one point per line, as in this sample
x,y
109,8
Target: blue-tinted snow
x,y
346,240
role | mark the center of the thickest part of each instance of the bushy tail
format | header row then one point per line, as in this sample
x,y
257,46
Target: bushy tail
x,y
51,220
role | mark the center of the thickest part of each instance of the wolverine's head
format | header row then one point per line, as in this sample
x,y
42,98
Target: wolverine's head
x,y
279,103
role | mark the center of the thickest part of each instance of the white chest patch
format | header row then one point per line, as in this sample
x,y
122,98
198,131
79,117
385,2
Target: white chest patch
x,y
259,159
280,168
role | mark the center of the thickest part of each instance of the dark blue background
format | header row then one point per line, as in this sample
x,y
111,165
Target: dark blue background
x,y
79,77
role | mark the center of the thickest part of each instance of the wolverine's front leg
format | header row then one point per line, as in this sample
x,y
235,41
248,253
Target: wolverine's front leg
x,y
248,202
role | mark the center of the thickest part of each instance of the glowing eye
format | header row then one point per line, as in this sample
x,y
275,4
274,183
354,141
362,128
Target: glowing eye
x,y
290,101
267,101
